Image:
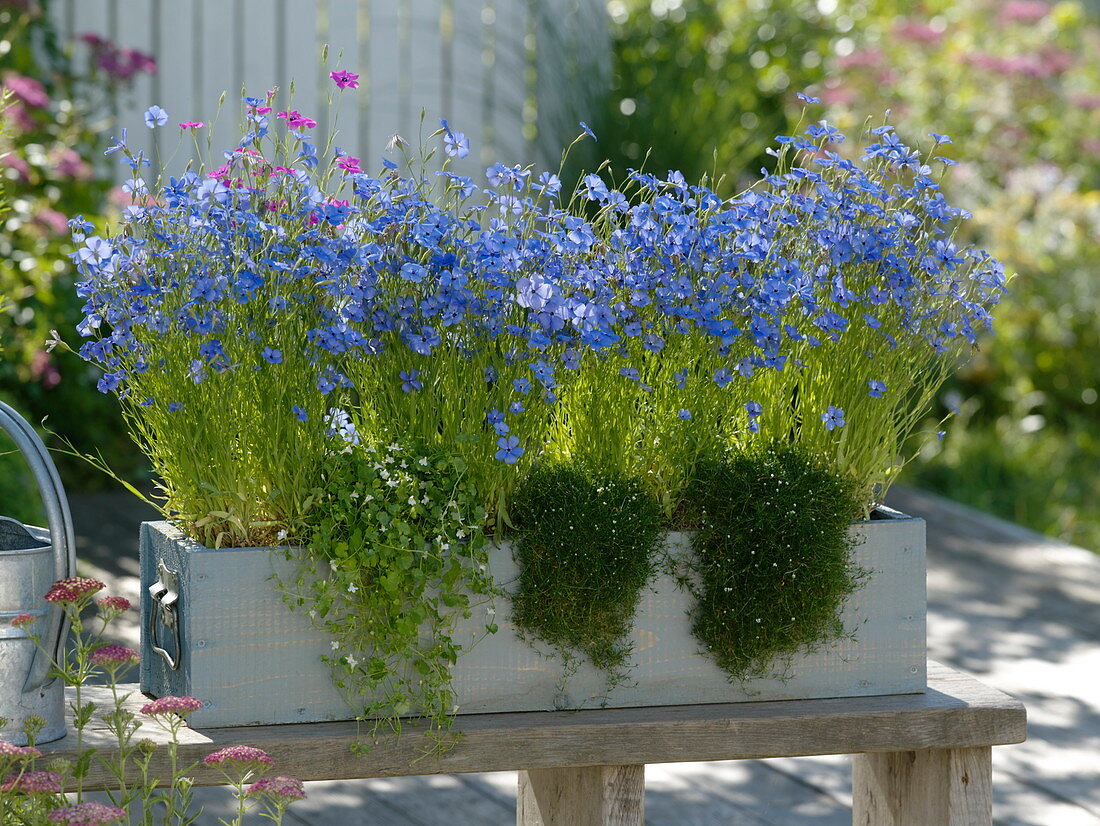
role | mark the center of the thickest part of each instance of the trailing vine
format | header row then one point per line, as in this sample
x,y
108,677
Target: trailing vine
x,y
772,556
585,547
397,553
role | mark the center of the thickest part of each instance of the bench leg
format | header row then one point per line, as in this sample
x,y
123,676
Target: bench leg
x,y
587,796
933,787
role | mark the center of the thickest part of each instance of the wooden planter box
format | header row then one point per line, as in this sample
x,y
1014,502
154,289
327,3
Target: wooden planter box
x,y
252,660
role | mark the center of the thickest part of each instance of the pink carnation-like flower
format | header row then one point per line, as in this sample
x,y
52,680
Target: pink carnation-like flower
x,y
113,655
345,80
22,620
281,787
72,589
172,705
33,783
91,813
19,752
349,164
238,754
192,124
296,120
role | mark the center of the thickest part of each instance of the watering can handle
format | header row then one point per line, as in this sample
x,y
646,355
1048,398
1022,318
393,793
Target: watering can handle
x,y
61,533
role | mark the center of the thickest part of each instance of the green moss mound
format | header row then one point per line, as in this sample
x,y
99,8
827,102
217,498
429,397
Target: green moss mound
x,y
772,556
585,547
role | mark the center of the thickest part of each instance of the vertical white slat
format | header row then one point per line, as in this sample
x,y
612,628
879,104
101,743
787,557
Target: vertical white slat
x,y
367,145
383,74
343,55
259,73
488,80
467,90
508,81
178,92
131,25
213,47
426,72
301,56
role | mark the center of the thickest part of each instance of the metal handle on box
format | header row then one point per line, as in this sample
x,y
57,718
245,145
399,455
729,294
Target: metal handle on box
x,y
165,611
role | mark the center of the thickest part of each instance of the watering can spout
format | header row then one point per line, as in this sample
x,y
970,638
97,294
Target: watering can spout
x,y
31,559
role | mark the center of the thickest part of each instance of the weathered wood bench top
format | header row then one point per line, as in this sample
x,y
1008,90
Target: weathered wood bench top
x,y
956,712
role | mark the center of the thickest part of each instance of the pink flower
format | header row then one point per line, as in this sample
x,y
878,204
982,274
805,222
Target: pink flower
x,y
917,32
67,163
861,59
349,164
1086,101
91,813
238,754
345,80
282,788
18,752
27,90
42,366
72,589
33,783
13,161
118,604
296,120
19,118
192,124
1023,11
21,621
113,655
180,706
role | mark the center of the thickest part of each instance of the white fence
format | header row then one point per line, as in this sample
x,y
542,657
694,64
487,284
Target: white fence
x,y
515,75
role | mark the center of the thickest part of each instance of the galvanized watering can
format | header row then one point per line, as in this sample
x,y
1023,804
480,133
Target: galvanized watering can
x,y
31,560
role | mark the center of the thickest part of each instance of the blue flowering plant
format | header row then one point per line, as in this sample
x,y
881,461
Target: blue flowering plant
x,y
256,315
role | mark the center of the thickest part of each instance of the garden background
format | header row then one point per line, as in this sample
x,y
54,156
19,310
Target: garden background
x,y
696,85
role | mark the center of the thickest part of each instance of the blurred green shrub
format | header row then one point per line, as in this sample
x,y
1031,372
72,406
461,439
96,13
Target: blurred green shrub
x,y
46,143
705,83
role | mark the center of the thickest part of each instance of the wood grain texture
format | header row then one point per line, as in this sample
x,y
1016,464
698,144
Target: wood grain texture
x,y
937,787
251,660
592,795
956,712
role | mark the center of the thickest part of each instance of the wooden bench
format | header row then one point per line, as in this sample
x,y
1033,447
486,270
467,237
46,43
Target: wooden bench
x,y
918,759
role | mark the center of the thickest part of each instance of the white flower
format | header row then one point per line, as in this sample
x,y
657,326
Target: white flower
x,y
335,645
350,660
332,564
281,535
369,497
412,500
392,483
461,534
353,495
424,461
491,611
313,613
353,588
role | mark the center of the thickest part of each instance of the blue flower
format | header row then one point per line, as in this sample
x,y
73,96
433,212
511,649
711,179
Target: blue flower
x,y
754,409
409,380
300,412
455,144
510,449
587,131
517,407
685,413
521,385
154,117
271,355
877,388
806,98
833,417
174,407
722,377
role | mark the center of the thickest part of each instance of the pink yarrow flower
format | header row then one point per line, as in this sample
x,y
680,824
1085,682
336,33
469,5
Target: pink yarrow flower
x,y
113,655
172,705
22,620
284,789
33,783
91,813
72,589
28,90
296,120
119,604
238,754
345,80
11,750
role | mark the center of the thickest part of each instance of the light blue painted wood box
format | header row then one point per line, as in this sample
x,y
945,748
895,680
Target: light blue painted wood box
x,y
252,660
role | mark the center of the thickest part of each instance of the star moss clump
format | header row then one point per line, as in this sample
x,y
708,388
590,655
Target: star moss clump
x,y
585,546
772,556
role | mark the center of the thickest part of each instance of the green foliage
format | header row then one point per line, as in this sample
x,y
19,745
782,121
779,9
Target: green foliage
x,y
45,144
585,545
772,556
704,82
397,554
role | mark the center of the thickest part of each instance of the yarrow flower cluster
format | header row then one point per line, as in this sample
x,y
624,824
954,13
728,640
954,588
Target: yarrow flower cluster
x,y
244,755
36,782
73,589
285,789
113,656
91,813
483,317
180,706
